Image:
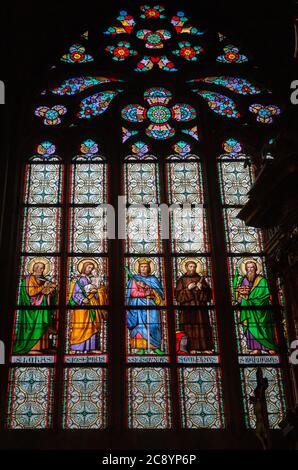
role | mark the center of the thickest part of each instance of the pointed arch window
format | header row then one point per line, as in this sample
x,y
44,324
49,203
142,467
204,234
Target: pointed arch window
x,y
174,308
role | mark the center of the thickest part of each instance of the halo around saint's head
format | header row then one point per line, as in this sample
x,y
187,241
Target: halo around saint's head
x,y
45,261
84,261
243,261
184,262
149,261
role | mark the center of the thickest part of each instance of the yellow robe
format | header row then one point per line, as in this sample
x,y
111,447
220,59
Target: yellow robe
x,y
82,327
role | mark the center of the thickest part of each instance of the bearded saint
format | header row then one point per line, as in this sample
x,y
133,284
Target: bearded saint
x,y
34,325
258,324
193,290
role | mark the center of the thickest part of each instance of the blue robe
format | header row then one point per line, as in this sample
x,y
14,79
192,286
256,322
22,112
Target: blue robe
x,y
137,319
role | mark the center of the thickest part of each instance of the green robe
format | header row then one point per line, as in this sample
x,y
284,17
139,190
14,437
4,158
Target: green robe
x,y
31,324
260,323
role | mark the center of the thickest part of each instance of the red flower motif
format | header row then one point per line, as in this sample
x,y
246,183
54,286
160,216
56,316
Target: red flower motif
x,y
121,52
232,56
77,56
152,13
187,52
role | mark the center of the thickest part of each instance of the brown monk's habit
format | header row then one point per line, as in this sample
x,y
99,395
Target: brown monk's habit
x,y
195,322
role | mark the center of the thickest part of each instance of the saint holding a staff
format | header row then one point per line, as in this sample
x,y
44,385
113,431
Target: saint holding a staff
x,y
144,290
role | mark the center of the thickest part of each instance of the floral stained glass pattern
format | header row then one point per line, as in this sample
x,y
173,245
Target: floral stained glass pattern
x,y
41,225
188,224
89,230
89,149
77,55
234,181
182,148
140,151
141,183
121,51
43,182
51,116
143,231
30,398
232,147
147,63
234,84
201,398
154,12
231,55
220,104
187,51
153,39
265,113
84,398
149,405
73,86
45,152
242,239
46,184
96,104
158,113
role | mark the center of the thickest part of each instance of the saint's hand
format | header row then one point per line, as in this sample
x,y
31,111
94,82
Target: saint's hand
x,y
141,283
245,290
191,285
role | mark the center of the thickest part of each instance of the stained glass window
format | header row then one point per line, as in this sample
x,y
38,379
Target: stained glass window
x,y
275,399
40,290
158,113
87,293
85,394
36,318
194,329
192,287
30,403
202,405
255,323
158,290
149,402
84,398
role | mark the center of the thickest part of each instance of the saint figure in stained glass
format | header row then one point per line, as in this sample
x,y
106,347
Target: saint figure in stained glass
x,y
182,343
193,290
34,325
144,290
87,290
251,290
